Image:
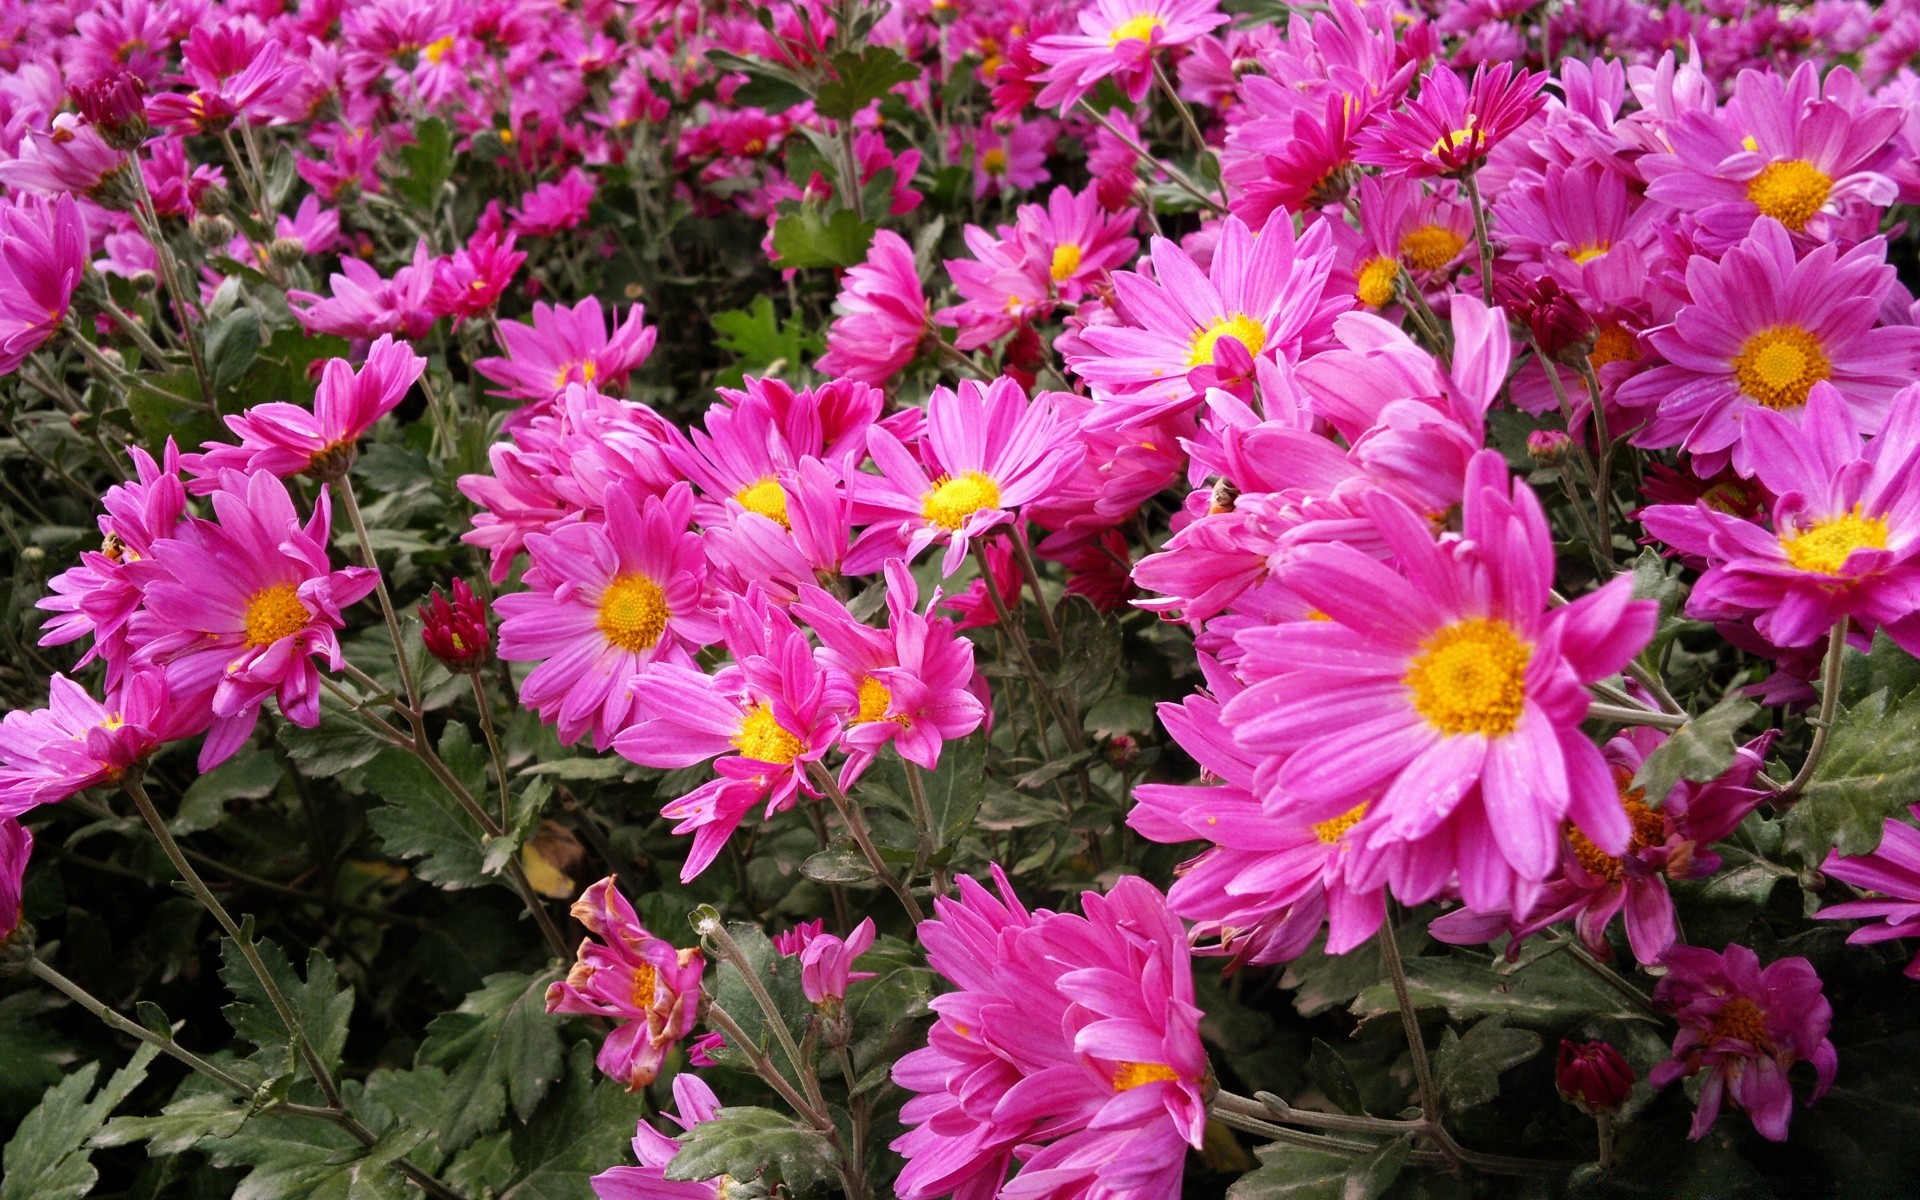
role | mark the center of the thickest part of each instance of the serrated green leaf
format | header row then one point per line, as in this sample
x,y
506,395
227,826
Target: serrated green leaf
x,y
882,1012
808,238
1370,1177
30,1054
321,1004
297,1158
581,1128
1090,652
749,1143
954,788
1293,1173
860,78
421,819
1466,1070
338,744
47,1158
781,977
1868,773
1886,666
763,344
1700,750
233,342
429,162
498,1046
1549,993
180,1126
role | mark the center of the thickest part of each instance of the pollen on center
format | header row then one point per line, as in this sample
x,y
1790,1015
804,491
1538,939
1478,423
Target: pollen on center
x,y
954,498
1238,326
1471,677
273,613
633,612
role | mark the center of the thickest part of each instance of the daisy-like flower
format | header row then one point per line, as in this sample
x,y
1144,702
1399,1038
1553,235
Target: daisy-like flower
x,y
1891,872
1002,286
286,439
763,719
826,959
1268,294
568,345
695,1103
1782,150
912,683
16,847
1763,327
608,599
76,742
640,981
987,451
1452,126
1743,1026
365,304
554,207
238,608
1076,239
1073,1037
1446,698
1291,154
72,158
1401,223
883,315
1845,540
786,547
469,282
43,255
1117,40
1015,160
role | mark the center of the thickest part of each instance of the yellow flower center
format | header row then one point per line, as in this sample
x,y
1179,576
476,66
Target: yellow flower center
x,y
1066,260
1589,252
1455,139
1824,547
766,497
1613,343
588,370
1130,1075
1790,191
954,498
1240,327
1779,365
1741,1018
994,161
1333,830
645,979
1375,279
439,48
1430,247
875,699
1471,677
1136,29
764,739
273,613
1649,829
633,612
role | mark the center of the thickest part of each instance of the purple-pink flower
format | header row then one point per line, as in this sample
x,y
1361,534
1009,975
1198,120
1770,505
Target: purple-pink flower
x,y
1891,874
43,255
646,985
76,742
1452,126
695,1103
565,346
1117,40
16,847
366,304
826,959
883,316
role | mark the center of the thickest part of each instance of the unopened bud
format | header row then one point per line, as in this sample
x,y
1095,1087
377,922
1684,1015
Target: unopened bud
x,y
455,631
287,252
213,200
212,232
115,105
1549,447
1592,1076
1122,751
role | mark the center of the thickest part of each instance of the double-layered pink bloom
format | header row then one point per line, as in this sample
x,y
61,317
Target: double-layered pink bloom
x,y
1452,126
566,346
76,742
1117,40
646,985
883,316
365,304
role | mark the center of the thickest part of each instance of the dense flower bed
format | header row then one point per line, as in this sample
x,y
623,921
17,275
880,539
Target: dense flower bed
x,y
1032,599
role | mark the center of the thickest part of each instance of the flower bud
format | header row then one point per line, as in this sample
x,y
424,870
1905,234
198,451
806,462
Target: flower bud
x,y
456,632
212,232
116,106
1123,751
213,200
287,252
1558,325
1593,1077
1549,447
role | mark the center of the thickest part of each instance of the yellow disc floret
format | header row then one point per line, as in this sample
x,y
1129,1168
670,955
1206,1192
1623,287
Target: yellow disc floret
x,y
766,497
1066,260
1139,28
1429,247
273,613
1741,1018
875,699
1331,831
1239,326
1471,677
954,498
633,612
1824,547
1790,191
764,739
1375,279
1612,342
1779,365
1130,1075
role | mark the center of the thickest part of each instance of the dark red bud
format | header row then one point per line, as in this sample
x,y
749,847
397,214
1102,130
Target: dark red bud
x,y
1593,1077
456,632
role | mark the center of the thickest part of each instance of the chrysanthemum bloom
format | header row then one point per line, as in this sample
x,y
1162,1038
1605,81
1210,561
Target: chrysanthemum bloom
x,y
1743,1026
826,959
1780,149
1671,842
695,1103
556,207
115,105
1268,293
912,683
16,847
1117,40
1001,286
754,440
1451,127
1891,872
1445,697
43,255
1570,218
239,607
1845,540
469,282
286,439
1268,884
763,719
1295,153
456,632
1015,160
1761,330
1402,223
365,304
606,601
234,68
71,158
986,452
568,345
76,742
1073,1036
782,548
882,317
1077,240
634,978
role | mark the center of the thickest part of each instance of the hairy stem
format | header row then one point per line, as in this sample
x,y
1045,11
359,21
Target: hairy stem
x,y
856,826
1829,706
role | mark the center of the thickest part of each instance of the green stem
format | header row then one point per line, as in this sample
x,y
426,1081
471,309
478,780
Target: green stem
x,y
1480,235
1822,724
824,780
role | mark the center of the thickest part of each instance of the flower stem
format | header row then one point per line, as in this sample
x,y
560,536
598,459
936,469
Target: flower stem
x,y
763,1065
858,828
493,745
923,822
1472,184
351,503
1186,118
1822,724
1173,174
149,220
1622,715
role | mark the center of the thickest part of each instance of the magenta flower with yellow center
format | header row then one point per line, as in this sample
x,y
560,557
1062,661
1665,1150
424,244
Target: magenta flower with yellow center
x,y
567,345
76,742
1117,40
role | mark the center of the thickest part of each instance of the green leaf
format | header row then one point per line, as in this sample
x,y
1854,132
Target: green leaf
x,y
181,1125
781,977
807,238
1868,773
882,1012
1090,651
1294,1173
1885,666
1467,1069
1657,577
1323,982
1330,1074
768,85
422,820
499,1045
336,745
1549,993
954,789
860,79
1370,1177
762,343
47,1159
247,776
429,163
169,406
321,1004
297,1158
581,1128
747,1143
30,1053
1700,750
233,342
838,864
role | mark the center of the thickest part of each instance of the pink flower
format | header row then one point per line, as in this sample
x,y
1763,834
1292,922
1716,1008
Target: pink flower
x,y
1003,288
882,315
456,631
987,451
1015,160
1075,240
638,980
43,255
1445,697
16,847
232,68
555,207
366,305
71,158
826,960
238,608
1075,1038
912,684
1763,327
1845,541
317,229
1742,1027
796,531
1117,40
568,345
285,439
469,282
648,1181
1451,127
1892,872
76,742
606,601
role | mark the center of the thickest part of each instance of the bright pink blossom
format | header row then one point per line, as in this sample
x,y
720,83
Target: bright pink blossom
x,y
16,847
826,959
565,346
643,983
1117,40
556,207
882,315
43,255
1890,873
470,281
1451,126
695,1103
76,742
365,304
